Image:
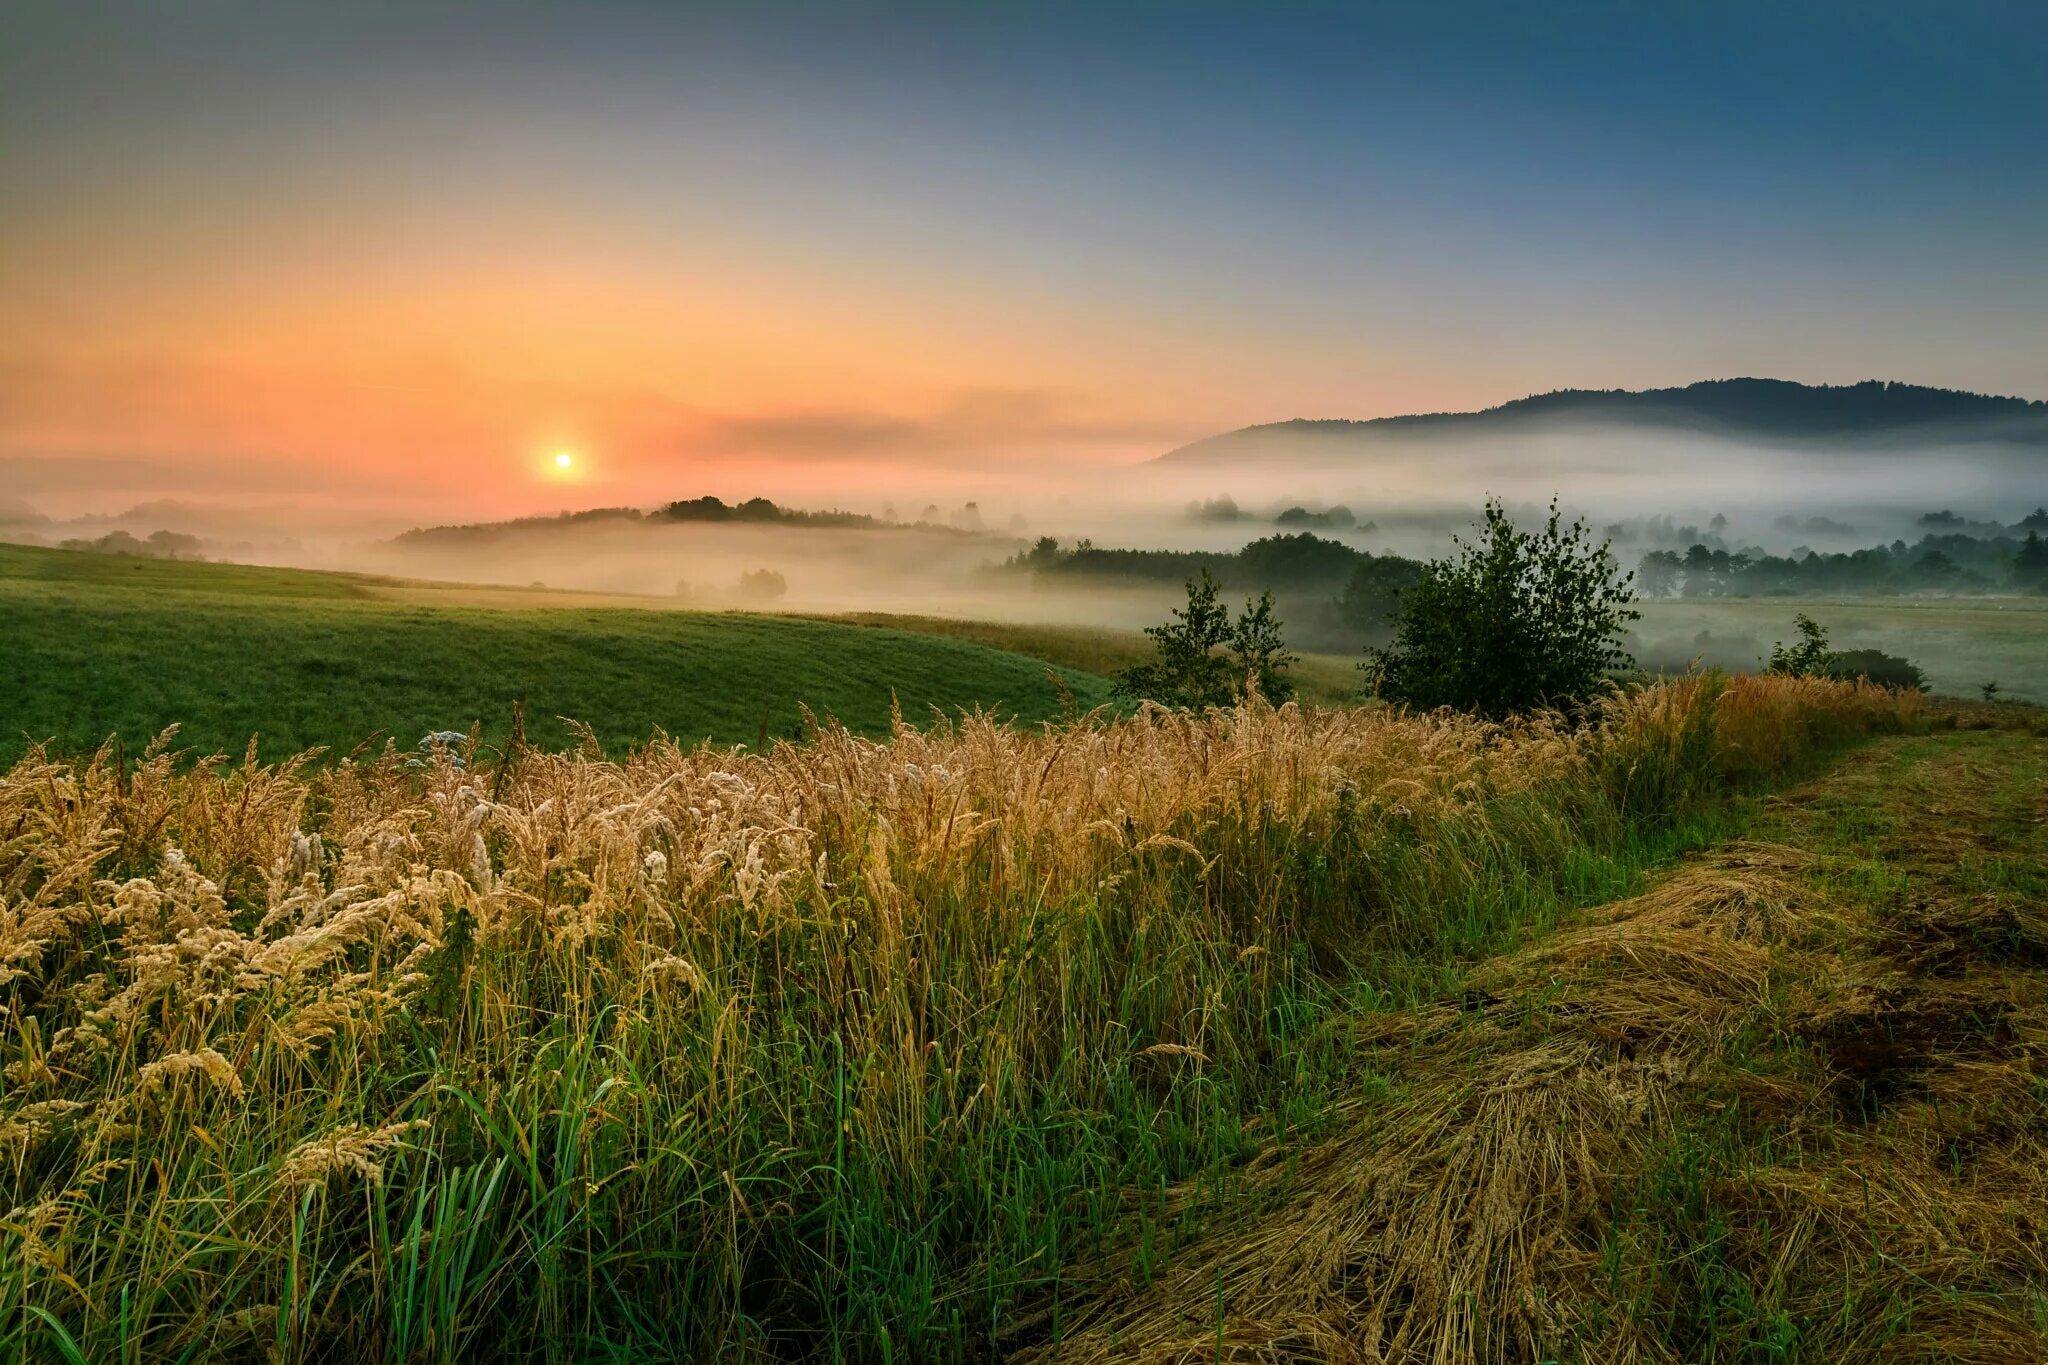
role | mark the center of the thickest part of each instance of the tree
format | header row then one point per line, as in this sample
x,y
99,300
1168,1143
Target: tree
x,y
1371,599
1512,622
2030,562
1657,573
1204,659
1044,551
1259,653
1699,571
1810,657
1935,567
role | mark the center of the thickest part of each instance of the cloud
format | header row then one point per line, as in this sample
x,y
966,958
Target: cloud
x,y
135,476
969,427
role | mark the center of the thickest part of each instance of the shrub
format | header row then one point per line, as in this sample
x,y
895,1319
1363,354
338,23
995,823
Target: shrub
x,y
1876,666
763,584
1512,623
1260,652
1812,657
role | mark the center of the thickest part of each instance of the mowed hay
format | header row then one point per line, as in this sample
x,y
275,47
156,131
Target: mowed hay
x,y
849,1046
1731,1117
1456,1221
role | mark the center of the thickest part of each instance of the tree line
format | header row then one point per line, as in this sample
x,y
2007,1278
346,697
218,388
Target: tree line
x,y
1338,596
1937,563
1509,622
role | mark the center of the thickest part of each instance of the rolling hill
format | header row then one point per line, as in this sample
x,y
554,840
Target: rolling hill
x,y
102,645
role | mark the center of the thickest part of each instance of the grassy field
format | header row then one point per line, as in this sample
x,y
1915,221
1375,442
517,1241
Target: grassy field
x,y
1962,643
979,1041
98,645
1319,679
1254,1035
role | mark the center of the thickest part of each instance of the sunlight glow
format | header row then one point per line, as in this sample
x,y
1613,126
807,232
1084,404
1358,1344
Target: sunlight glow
x,y
564,460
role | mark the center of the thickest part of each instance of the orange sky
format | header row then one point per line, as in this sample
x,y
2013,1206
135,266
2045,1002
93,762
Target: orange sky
x,y
398,255
432,359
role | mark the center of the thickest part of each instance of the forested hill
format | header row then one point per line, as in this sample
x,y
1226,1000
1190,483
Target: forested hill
x,y
1875,411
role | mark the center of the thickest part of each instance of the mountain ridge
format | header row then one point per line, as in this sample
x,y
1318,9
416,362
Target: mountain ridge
x,y
1747,407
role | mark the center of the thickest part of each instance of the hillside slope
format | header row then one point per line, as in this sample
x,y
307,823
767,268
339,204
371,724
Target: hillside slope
x,y
102,645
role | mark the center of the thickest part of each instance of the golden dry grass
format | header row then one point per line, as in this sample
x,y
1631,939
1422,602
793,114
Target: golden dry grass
x,y
1748,1092
773,1053
1454,1225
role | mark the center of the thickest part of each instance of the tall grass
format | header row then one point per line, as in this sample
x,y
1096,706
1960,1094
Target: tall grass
x,y
841,1050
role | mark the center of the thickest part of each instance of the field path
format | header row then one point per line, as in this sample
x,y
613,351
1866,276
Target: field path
x,y
1789,1103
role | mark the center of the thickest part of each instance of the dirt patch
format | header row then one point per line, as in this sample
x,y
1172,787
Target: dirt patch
x,y
1881,1045
1945,938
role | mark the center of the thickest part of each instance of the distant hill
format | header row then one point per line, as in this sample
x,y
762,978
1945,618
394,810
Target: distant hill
x,y
1874,412
752,512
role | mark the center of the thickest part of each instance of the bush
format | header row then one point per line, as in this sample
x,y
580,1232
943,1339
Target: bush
x,y
1511,623
1811,657
763,585
1204,659
1874,665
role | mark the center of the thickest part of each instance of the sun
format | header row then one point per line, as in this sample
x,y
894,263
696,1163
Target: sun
x,y
564,460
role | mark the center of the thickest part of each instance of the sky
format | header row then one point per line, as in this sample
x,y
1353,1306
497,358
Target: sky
x,y
408,254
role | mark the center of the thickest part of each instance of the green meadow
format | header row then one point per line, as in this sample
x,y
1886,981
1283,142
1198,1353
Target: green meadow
x,y
103,645
1960,642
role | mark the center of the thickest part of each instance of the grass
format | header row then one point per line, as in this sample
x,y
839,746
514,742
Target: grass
x,y
1786,1104
1961,642
100,645
25,566
1319,679
925,1048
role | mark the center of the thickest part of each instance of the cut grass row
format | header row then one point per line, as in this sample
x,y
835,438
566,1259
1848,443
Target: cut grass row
x,y
1788,1104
